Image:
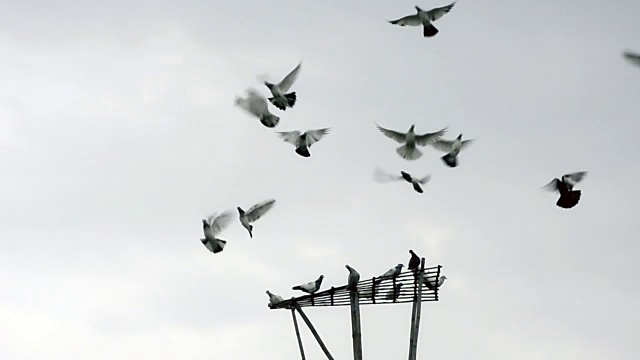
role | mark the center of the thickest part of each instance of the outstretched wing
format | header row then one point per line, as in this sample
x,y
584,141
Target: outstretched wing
x,y
290,136
382,176
220,222
575,177
437,13
288,80
397,136
313,136
552,185
258,210
254,103
443,145
430,138
409,20
424,180
633,58
465,143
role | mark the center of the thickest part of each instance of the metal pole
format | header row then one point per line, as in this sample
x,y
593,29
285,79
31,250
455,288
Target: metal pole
x,y
295,325
355,324
313,331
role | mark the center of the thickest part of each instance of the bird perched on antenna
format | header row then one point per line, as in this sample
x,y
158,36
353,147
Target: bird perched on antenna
x,y
382,177
303,141
280,98
409,140
432,284
453,148
568,197
254,213
414,262
274,299
310,287
256,105
424,18
212,226
354,277
391,273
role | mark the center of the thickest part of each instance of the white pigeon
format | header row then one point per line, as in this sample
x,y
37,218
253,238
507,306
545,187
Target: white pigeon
x,y
303,141
212,227
453,148
632,57
432,284
310,287
393,295
382,176
409,140
280,98
353,278
256,105
254,213
274,299
424,18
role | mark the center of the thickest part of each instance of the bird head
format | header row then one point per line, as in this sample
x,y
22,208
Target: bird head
x,y
399,267
413,126
348,267
205,223
412,253
240,210
320,279
268,84
460,137
443,277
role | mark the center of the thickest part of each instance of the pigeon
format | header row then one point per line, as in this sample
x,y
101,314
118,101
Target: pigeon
x,y
431,284
280,98
409,140
414,262
424,18
354,277
393,272
254,213
212,227
382,176
568,197
274,299
394,293
256,105
632,57
310,287
303,141
453,148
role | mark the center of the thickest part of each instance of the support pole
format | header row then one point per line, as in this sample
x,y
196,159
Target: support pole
x,y
355,324
295,325
313,331
415,318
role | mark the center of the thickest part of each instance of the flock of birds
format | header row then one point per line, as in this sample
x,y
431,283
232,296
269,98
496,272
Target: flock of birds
x,y
282,98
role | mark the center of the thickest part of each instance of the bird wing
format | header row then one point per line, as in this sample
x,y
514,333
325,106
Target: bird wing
x,y
382,176
576,177
409,20
288,80
436,13
430,138
254,103
632,57
290,136
313,136
220,222
397,136
465,144
443,145
552,185
256,211
424,180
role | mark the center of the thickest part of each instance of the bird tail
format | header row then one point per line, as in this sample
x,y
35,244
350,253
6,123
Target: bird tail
x,y
429,30
409,153
450,160
279,103
303,151
251,231
269,120
220,247
417,188
291,99
297,288
569,199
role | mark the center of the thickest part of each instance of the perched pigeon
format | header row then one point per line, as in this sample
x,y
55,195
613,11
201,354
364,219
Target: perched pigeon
x,y
303,142
354,277
424,18
394,293
409,140
382,176
212,227
568,197
453,148
393,272
414,262
254,213
632,57
274,299
256,105
280,98
431,284
310,287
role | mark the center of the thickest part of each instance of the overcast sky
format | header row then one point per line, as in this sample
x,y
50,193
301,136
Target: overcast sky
x,y
119,133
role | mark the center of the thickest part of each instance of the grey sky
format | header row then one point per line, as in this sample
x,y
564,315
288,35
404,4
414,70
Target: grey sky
x,y
118,134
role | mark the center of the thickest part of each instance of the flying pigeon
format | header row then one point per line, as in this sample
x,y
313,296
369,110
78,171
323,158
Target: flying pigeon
x,y
254,213
354,277
382,176
431,284
393,272
274,299
568,197
280,98
409,140
212,227
414,262
256,105
310,287
394,293
424,18
303,142
632,57
452,148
